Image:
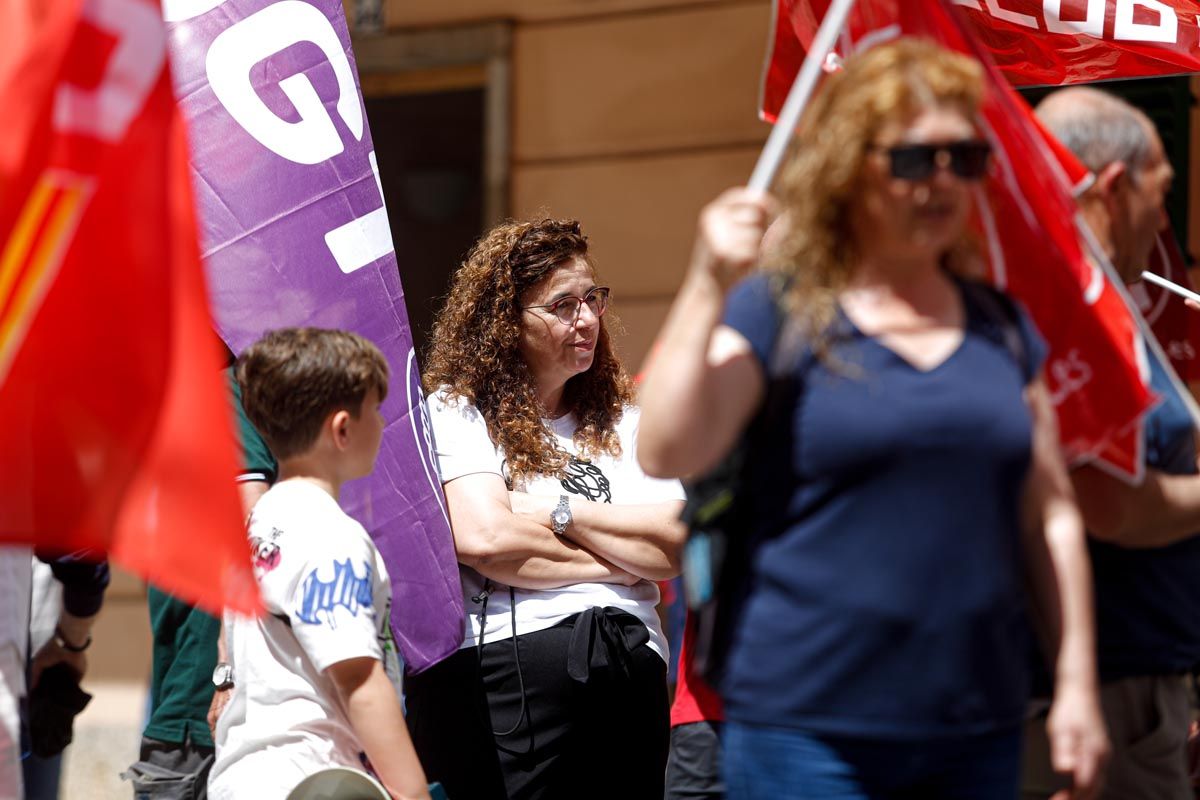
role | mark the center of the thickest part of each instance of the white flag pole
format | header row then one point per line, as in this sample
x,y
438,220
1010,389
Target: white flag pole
x,y
1170,286
775,149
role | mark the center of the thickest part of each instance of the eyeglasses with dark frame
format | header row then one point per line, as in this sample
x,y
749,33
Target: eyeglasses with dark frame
x,y
968,159
567,309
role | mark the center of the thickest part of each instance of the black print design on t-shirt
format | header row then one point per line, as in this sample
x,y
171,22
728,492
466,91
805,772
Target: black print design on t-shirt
x,y
585,478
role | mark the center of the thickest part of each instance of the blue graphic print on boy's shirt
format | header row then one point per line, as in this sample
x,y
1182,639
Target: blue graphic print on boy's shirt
x,y
345,590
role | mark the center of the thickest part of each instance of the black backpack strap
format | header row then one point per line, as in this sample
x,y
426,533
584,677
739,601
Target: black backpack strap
x,y
1001,311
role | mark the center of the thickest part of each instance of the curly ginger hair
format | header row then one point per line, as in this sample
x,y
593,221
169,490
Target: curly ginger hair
x,y
475,350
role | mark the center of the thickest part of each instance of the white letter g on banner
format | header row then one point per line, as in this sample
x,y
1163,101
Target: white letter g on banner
x,y
235,52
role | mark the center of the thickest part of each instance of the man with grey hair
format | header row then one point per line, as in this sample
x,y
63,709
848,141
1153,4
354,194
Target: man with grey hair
x,y
1144,540
1125,205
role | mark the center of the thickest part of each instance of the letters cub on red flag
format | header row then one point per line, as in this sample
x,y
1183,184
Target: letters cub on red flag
x,y
116,434
1033,42
1075,41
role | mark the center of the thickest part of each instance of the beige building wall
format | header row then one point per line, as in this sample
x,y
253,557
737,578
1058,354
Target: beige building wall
x,y
629,115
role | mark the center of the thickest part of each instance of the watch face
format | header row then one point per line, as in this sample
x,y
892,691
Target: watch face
x,y
222,674
562,517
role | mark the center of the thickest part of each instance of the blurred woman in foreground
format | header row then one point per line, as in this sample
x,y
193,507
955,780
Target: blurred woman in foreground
x,y
904,479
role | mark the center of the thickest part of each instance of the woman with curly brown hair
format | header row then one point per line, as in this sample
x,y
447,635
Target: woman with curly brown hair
x,y
560,535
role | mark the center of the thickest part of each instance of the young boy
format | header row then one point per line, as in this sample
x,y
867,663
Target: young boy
x,y
313,677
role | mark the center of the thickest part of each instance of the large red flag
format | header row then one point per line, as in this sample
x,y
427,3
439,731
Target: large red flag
x,y
1026,218
116,431
1036,42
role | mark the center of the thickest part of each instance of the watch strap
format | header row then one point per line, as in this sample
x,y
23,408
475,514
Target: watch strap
x,y
66,644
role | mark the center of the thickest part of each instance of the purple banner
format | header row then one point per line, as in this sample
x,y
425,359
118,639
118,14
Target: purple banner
x,y
294,232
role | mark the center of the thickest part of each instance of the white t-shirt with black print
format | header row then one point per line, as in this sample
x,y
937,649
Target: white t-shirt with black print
x,y
463,448
326,599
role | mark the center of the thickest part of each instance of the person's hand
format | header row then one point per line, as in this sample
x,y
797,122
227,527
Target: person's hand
x,y
72,636
1192,304
219,701
53,653
1079,747
729,239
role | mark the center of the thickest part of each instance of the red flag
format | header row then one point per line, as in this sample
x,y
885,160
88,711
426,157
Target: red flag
x,y
794,25
117,435
1076,41
1031,41
1025,216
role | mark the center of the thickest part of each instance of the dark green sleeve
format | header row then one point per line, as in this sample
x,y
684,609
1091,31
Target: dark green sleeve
x,y
256,456
184,654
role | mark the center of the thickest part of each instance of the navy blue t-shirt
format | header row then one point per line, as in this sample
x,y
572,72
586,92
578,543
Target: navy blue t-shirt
x,y
885,596
1148,600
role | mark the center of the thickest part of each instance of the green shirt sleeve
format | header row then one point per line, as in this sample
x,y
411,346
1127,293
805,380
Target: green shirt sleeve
x,y
257,461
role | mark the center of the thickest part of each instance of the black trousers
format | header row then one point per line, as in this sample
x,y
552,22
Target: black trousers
x,y
488,730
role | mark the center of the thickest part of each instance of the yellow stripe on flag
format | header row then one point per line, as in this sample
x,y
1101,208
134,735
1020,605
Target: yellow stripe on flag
x,y
21,240
39,254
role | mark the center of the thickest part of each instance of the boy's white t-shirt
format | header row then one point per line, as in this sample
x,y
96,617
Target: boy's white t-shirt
x,y
463,447
326,598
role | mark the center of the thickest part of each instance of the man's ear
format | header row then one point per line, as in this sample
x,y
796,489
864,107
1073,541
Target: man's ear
x,y
339,426
1108,180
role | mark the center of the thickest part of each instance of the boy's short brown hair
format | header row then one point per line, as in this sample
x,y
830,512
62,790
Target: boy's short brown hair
x,y
293,378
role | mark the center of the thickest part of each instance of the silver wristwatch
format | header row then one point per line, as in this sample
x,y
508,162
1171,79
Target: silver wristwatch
x,y
223,676
561,517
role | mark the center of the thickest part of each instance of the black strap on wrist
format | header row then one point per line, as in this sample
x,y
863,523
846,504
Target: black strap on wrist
x,y
71,648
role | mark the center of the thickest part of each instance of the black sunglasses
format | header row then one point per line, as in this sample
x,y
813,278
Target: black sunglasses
x,y
968,159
